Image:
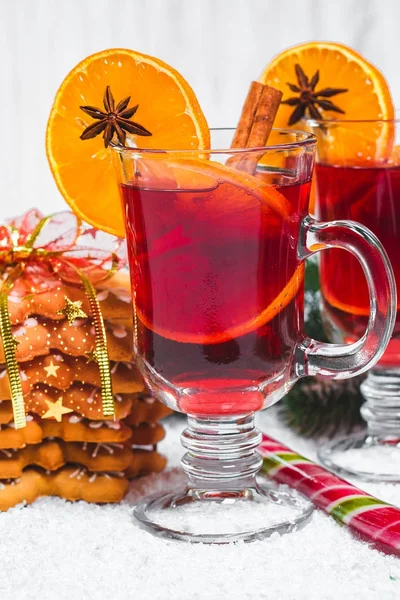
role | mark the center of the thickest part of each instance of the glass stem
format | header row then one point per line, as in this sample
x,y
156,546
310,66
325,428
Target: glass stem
x,y
221,453
381,411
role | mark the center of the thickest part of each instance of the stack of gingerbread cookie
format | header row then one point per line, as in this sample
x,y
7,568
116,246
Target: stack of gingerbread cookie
x,y
68,448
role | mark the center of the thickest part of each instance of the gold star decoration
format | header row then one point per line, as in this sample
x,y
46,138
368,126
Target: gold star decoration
x,y
51,370
16,342
91,356
56,410
72,310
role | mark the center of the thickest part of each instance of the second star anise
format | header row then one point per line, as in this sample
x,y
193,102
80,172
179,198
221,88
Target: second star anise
x,y
115,121
308,99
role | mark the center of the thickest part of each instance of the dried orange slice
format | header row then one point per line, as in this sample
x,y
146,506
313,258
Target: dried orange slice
x,y
205,259
329,67
166,107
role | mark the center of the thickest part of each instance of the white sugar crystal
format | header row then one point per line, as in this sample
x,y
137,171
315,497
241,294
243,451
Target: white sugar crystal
x,y
119,332
78,322
19,331
149,400
122,294
7,453
90,398
75,473
75,419
103,295
113,424
31,322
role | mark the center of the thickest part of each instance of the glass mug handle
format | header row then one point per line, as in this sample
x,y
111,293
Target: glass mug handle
x,y
341,361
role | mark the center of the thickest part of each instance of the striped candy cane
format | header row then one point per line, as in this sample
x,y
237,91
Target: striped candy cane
x,y
374,519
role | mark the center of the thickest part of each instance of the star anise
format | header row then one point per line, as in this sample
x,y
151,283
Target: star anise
x,y
116,120
308,99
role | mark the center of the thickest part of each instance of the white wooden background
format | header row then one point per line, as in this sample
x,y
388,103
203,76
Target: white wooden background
x,y
218,45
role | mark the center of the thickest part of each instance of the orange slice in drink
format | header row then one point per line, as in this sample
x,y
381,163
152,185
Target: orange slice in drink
x,y
194,173
251,324
165,106
351,309
345,86
221,264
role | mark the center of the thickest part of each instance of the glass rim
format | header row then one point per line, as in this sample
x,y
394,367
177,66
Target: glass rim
x,y
308,139
319,122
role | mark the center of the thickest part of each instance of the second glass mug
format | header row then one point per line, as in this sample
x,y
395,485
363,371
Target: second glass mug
x,y
358,177
216,243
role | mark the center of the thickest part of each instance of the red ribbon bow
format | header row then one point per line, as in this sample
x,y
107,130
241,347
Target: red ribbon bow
x,y
57,245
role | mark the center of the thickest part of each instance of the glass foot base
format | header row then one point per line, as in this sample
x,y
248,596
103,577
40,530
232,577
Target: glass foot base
x,y
368,457
220,517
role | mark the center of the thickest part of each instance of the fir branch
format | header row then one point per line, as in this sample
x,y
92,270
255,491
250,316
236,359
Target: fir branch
x,y
316,406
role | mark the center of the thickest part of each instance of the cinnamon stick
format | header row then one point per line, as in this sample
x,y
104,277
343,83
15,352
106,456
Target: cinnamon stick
x,y
255,125
264,117
248,113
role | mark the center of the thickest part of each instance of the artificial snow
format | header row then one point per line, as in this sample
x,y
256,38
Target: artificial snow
x,y
374,459
57,550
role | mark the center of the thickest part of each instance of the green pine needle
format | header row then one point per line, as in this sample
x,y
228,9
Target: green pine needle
x,y
317,406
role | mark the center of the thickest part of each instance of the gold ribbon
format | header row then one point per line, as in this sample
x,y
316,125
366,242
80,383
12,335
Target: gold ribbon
x,y
102,359
16,259
9,343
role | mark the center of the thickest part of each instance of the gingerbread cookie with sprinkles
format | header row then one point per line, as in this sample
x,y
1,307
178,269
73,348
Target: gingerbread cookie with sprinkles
x,y
34,459
51,455
70,446
38,337
41,455
113,295
62,370
70,482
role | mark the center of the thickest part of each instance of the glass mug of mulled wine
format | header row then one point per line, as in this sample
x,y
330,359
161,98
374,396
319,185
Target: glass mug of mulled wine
x,y
217,241
361,181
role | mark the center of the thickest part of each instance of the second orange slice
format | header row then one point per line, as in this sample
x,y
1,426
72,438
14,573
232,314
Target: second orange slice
x,y
364,95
